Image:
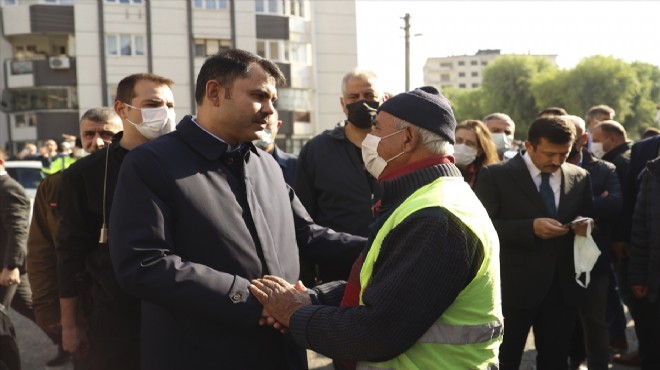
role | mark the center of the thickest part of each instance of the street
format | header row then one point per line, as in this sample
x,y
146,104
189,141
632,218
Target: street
x,y
36,349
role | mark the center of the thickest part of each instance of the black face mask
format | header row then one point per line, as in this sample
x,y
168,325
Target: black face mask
x,y
361,116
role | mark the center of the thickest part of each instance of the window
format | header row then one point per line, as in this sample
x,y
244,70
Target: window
x,y
475,85
284,51
446,65
475,74
269,6
211,4
462,86
484,63
124,44
10,2
461,62
206,47
124,1
474,62
297,8
34,98
58,2
444,77
461,74
26,120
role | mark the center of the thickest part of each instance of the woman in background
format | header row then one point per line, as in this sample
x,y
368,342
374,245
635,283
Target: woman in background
x,y
474,149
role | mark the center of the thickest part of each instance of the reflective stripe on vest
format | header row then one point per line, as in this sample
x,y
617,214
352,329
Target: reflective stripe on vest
x,y
464,334
362,366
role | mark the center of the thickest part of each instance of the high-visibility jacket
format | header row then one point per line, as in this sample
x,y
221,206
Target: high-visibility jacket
x,y
60,163
468,334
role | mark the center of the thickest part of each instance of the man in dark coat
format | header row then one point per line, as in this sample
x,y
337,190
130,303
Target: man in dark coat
x,y
199,213
266,143
529,198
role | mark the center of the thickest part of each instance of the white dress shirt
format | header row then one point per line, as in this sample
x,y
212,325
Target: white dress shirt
x,y
555,178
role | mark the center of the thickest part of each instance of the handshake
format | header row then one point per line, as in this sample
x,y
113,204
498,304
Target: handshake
x,y
280,300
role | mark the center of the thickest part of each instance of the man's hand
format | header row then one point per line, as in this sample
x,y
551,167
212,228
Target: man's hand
x,y
279,298
620,251
74,340
547,228
10,277
580,228
639,291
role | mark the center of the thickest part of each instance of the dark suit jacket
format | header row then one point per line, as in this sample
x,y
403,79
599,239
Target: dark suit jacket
x,y
529,264
287,163
14,213
641,152
187,234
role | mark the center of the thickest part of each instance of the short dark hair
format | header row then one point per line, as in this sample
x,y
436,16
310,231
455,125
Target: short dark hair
x,y
554,129
126,87
552,111
650,132
102,114
614,128
228,65
600,110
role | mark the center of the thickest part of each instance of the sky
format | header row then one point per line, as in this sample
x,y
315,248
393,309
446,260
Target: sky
x,y
572,30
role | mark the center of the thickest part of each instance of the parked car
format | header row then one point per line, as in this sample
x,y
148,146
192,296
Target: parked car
x,y
28,174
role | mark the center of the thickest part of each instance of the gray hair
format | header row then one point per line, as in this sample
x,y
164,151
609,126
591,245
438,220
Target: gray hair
x,y
363,74
580,125
102,114
500,116
433,142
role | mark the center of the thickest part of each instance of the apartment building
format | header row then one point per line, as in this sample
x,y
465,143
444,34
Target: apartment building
x,y
462,71
62,57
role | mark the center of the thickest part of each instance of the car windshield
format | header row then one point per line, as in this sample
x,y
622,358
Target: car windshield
x,y
29,178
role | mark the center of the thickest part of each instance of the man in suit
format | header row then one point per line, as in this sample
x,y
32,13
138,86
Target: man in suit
x,y
199,213
529,198
266,142
14,213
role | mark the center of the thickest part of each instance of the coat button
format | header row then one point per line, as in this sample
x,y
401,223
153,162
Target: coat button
x,y
236,297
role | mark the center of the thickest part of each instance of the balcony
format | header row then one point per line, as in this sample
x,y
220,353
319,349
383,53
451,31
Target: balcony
x,y
52,71
39,99
37,19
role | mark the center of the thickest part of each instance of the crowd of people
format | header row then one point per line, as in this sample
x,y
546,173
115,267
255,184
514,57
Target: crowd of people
x,y
399,239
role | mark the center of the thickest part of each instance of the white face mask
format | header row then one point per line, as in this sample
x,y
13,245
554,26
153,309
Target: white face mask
x,y
265,139
155,121
373,162
464,154
502,141
585,255
597,149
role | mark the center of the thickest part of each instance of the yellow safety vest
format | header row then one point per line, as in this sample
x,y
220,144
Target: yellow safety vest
x,y
468,334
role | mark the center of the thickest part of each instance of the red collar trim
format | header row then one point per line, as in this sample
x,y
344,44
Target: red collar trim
x,y
417,165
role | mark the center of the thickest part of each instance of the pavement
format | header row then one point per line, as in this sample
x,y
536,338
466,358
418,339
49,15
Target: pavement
x,y
36,349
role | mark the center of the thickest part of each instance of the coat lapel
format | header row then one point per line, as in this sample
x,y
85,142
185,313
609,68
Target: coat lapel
x,y
567,181
523,180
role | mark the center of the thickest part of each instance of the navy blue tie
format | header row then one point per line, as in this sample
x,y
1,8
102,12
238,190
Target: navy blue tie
x,y
547,195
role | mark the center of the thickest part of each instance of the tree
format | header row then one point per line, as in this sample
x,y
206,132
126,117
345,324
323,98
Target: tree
x,y
507,86
466,103
644,104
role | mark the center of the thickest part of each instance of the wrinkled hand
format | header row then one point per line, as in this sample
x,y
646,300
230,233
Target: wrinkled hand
x,y
581,227
74,340
620,251
639,291
279,298
10,277
547,228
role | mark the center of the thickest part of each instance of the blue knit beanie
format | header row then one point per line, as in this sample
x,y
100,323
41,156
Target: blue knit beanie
x,y
425,107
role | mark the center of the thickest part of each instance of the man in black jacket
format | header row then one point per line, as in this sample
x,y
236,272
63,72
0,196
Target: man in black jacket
x,y
110,339
200,212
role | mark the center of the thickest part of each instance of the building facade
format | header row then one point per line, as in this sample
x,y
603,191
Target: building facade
x,y
62,57
462,71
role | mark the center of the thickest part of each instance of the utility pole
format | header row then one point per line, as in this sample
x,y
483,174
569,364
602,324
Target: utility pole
x,y
406,29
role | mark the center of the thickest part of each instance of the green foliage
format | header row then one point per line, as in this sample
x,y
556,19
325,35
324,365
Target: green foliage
x,y
520,86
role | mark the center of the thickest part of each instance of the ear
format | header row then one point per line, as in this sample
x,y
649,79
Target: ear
x,y
121,109
411,139
215,93
279,124
585,138
528,146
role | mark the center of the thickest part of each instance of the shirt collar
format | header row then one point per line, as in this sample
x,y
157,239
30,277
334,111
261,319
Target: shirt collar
x,y
230,149
533,170
3,172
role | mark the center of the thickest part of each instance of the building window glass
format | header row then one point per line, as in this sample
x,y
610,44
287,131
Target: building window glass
x,y
269,6
444,77
474,62
56,2
24,120
211,4
461,74
462,86
206,47
484,63
475,74
124,44
27,99
461,62
10,2
284,51
120,1
475,85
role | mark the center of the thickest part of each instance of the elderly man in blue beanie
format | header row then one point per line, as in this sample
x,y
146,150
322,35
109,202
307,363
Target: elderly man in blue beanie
x,y
424,294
